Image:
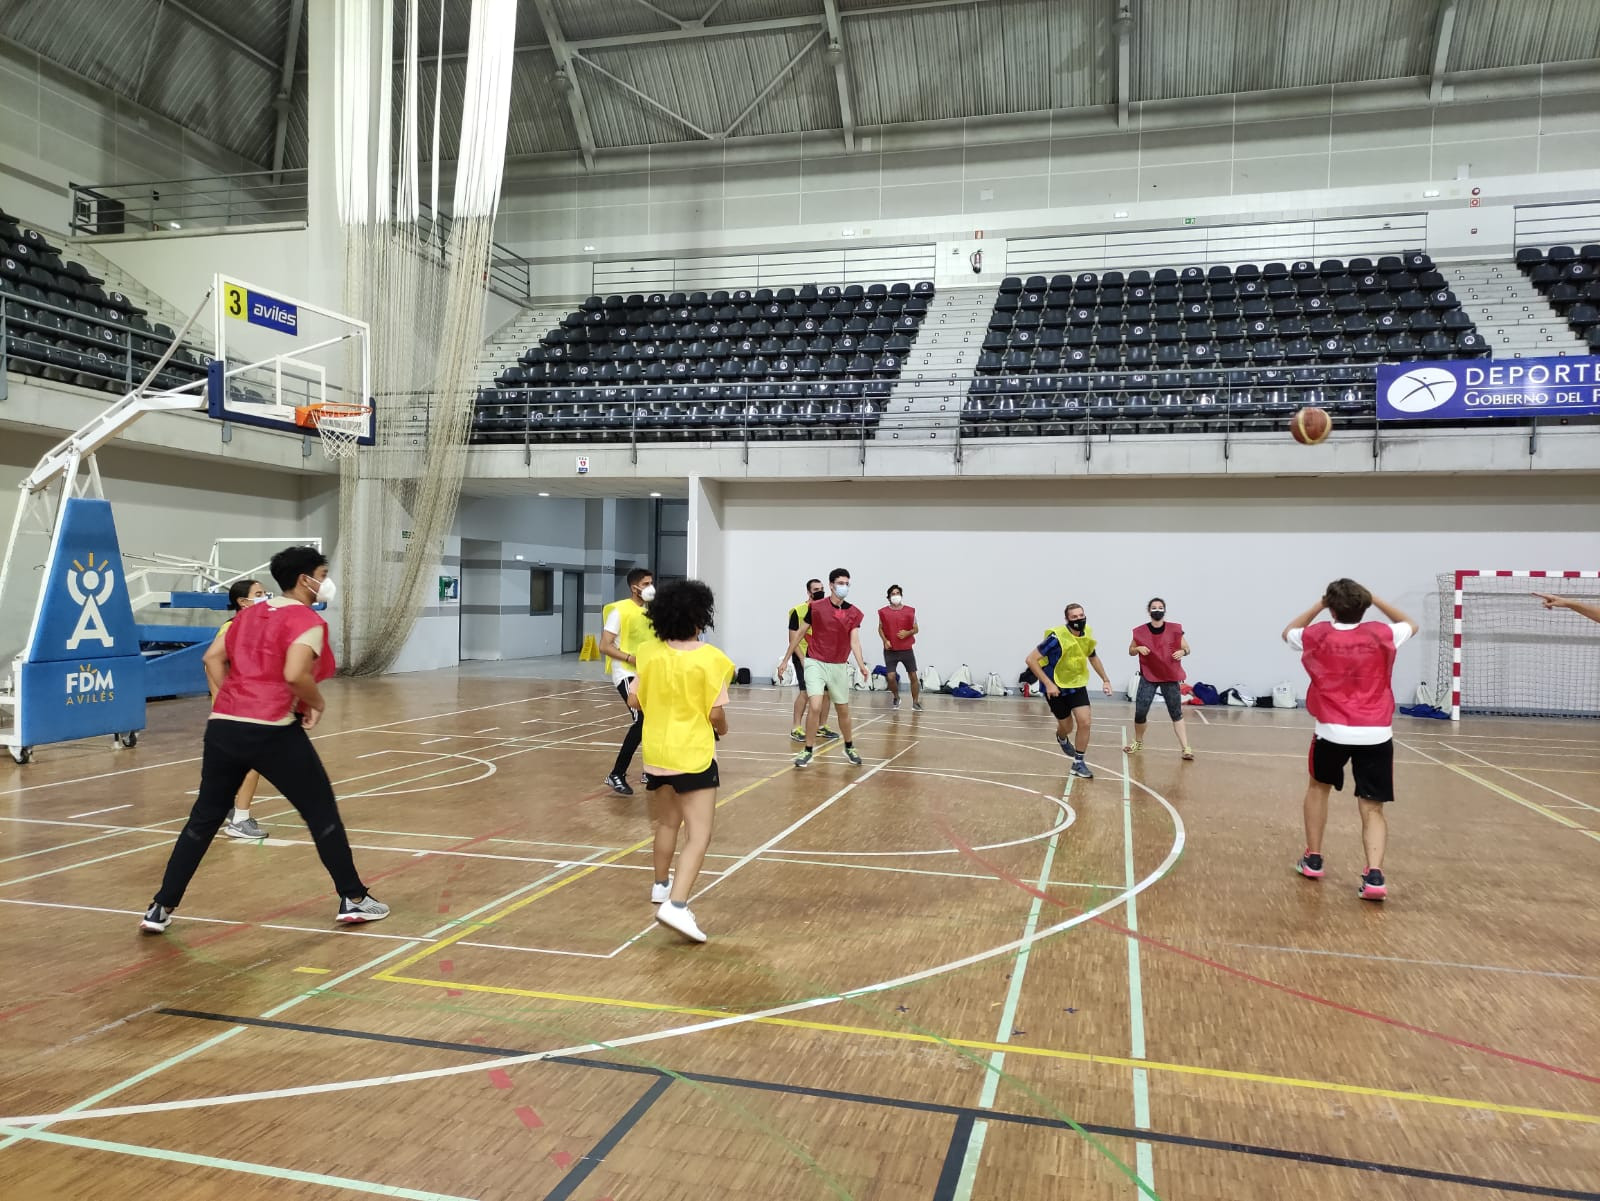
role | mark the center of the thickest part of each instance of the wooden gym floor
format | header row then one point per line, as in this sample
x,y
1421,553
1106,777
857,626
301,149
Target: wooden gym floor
x,y
941,976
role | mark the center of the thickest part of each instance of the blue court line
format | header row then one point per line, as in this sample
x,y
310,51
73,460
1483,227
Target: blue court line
x,y
970,1112
608,1141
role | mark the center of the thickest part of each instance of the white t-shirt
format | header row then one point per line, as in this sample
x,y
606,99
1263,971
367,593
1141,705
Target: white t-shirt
x,y
1355,735
620,671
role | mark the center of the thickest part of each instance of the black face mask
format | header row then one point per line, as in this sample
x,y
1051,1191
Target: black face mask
x,y
1079,625
816,596
1158,615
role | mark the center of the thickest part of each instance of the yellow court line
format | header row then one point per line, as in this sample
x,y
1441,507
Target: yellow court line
x,y
473,927
1020,1049
1524,801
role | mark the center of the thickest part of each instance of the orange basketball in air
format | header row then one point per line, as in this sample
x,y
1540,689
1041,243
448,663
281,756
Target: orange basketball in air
x,y
1311,426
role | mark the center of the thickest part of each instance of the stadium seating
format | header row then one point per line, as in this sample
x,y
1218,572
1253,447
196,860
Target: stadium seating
x,y
1207,348
791,363
61,325
1570,280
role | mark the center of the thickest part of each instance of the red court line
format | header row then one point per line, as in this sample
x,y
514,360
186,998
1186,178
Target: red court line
x,y
321,898
1001,874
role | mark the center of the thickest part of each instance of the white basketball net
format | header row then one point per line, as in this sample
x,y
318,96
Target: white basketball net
x,y
341,427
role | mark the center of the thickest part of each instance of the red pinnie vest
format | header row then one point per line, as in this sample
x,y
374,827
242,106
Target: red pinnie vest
x,y
258,644
1350,672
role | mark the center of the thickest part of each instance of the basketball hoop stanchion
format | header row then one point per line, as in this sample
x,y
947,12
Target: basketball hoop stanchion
x,y
340,426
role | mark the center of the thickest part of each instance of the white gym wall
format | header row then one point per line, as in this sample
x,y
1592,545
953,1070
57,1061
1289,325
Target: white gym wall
x,y
990,565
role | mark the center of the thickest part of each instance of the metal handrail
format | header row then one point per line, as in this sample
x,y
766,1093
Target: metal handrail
x,y
203,202
165,206
122,343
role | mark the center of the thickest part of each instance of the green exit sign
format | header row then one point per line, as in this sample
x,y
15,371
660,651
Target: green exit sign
x,y
1188,220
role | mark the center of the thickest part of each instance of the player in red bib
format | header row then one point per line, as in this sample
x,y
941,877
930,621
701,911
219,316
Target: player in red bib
x,y
265,675
897,627
1160,647
1350,662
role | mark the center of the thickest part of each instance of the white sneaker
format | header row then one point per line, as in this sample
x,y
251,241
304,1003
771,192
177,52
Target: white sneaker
x,y
660,892
367,909
245,829
681,920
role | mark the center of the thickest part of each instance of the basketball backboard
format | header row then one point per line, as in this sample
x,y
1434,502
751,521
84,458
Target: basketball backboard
x,y
281,360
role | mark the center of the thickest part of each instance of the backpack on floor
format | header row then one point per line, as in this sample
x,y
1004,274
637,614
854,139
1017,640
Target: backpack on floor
x,y
1283,696
961,675
1133,686
1206,694
878,681
930,678
993,686
742,676
967,692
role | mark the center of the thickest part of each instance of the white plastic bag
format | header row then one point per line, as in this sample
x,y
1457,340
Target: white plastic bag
x,y
930,678
1283,696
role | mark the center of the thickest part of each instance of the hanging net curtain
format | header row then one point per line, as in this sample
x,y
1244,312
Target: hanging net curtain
x,y
419,283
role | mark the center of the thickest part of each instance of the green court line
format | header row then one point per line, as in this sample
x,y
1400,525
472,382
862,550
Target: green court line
x,y
232,1165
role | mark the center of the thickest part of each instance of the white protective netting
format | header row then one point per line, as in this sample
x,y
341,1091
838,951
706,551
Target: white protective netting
x,y
421,289
1518,658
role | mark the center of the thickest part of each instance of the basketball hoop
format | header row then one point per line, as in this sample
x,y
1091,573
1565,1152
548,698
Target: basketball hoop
x,y
341,426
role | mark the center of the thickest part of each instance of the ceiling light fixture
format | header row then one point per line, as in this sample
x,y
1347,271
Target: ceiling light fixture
x,y
655,494
544,494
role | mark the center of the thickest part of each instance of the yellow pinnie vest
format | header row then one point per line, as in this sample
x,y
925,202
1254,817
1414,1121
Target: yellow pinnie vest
x,y
634,628
803,612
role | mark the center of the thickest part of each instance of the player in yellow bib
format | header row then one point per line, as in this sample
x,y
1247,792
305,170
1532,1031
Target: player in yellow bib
x,y
802,613
682,688
241,595
1061,664
627,630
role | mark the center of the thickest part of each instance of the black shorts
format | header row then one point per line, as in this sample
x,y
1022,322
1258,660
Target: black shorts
x,y
687,782
1068,700
893,660
1371,766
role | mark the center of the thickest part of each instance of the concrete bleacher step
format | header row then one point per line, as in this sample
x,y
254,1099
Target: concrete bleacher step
x,y
1512,315
926,403
504,347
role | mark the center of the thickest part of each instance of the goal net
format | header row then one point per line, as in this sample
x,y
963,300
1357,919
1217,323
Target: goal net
x,y
1502,652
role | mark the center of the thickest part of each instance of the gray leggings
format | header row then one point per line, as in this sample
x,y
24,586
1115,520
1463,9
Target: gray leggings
x,y
1147,693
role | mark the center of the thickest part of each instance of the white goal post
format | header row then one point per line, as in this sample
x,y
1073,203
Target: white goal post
x,y
1508,655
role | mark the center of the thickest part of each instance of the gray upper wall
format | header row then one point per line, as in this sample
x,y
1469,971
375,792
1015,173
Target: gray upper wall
x,y
1493,123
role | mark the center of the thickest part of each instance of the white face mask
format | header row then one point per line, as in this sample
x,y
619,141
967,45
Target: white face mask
x,y
897,601
647,593
326,589
841,590
260,600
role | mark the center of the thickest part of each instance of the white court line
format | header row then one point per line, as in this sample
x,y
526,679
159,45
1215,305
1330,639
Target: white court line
x,y
492,729
1144,1159
1205,721
431,741
750,857
1496,767
97,812
385,726
82,1111
973,1152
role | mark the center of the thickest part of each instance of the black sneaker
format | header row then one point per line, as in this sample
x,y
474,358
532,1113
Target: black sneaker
x,y
619,784
1372,886
1310,866
156,919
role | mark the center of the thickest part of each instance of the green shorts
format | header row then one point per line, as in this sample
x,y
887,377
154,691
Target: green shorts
x,y
830,678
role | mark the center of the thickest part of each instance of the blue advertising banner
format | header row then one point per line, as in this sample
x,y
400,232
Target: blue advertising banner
x,y
83,674
1455,390
258,308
